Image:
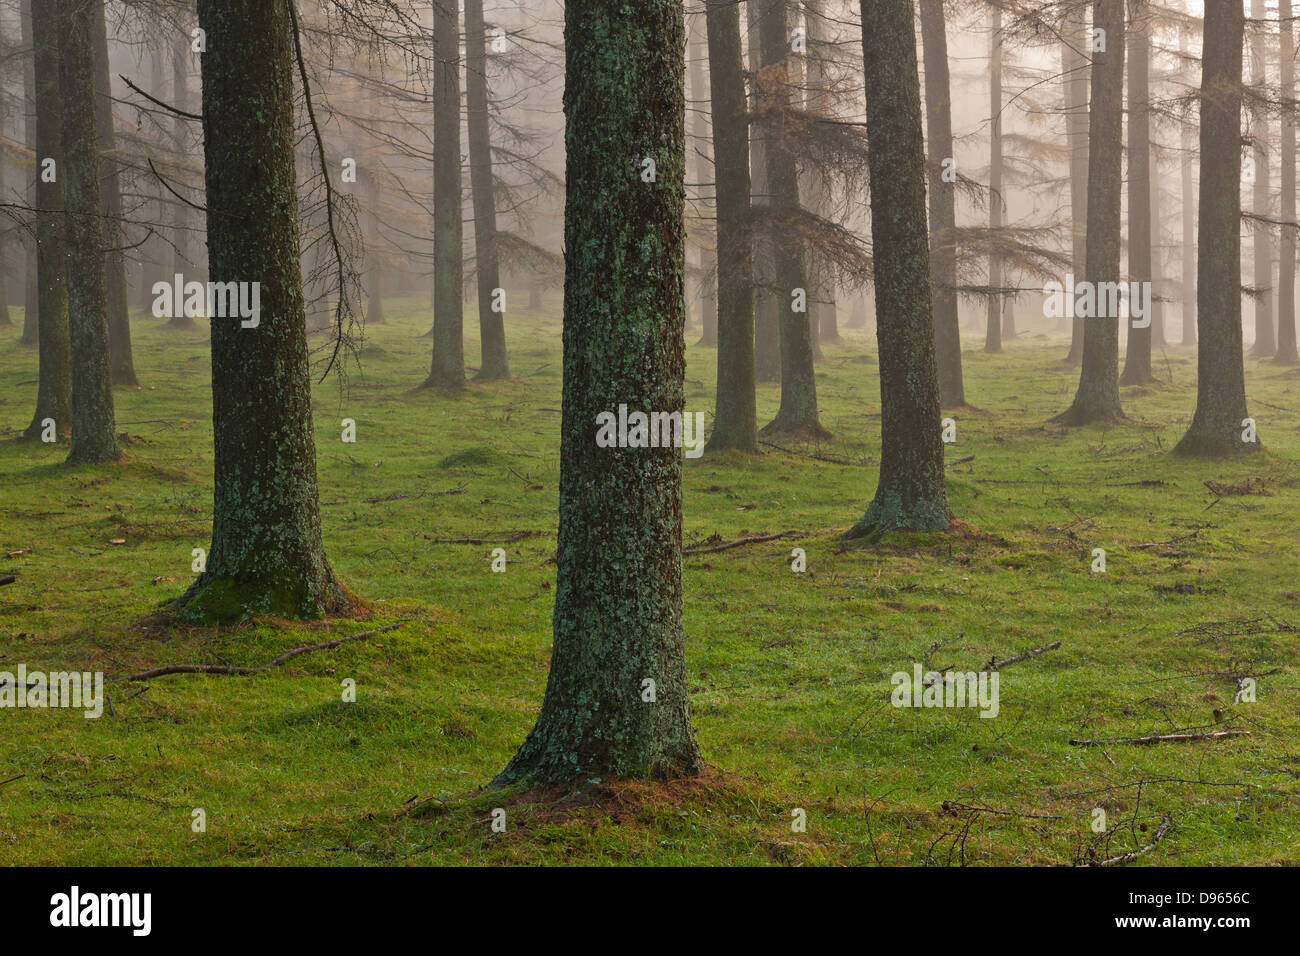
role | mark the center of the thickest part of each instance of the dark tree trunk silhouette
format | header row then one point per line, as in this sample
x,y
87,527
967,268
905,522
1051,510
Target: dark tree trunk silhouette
x,y
1097,398
267,555
1261,233
1188,286
1137,356
31,290
993,321
735,417
616,700
1218,426
448,367
767,343
943,205
1286,337
54,393
1074,66
492,329
180,211
821,277
910,494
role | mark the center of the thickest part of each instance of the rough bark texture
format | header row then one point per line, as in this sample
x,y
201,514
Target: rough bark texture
x,y
943,205
1097,398
448,368
1074,66
701,170
1261,233
797,414
993,321
1286,337
1137,356
120,361
767,343
910,494
1217,427
266,555
618,594
735,417
492,329
54,393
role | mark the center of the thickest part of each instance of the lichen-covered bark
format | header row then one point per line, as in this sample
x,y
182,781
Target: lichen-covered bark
x,y
492,330
943,205
120,361
448,368
618,600
266,553
735,421
1286,335
54,393
1137,356
993,318
797,413
910,494
1097,398
93,437
1216,427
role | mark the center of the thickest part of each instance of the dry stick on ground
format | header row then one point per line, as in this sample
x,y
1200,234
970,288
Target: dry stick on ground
x,y
959,461
993,665
7,580
244,671
12,779
1165,824
755,539
517,536
1161,738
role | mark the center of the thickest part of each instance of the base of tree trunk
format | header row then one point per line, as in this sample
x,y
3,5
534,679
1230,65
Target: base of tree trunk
x,y
791,427
125,378
1215,442
219,599
492,373
29,343
892,511
448,383
557,764
1286,358
720,442
181,322
1081,413
1132,376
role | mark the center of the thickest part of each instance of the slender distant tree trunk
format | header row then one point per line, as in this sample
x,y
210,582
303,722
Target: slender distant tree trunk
x,y
797,414
1158,291
152,252
448,368
767,343
180,212
492,329
5,233
1097,398
374,269
616,700
735,417
943,205
1261,232
1188,285
700,173
120,361
993,329
1009,310
1074,63
267,555
1217,427
31,297
54,393
910,494
1137,357
821,276
858,314
94,440
1286,335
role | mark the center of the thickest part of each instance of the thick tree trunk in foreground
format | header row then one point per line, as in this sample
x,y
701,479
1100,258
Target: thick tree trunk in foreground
x,y
1074,66
910,494
767,342
797,414
1286,337
1261,233
1217,426
1097,398
266,555
94,440
492,329
735,417
701,170
54,393
943,205
448,367
993,319
120,361
616,700
1137,356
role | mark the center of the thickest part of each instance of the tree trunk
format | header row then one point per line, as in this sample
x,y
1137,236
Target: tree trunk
x,y
152,251
1158,290
735,417
943,205
993,329
448,368
1286,337
1188,285
94,440
1097,398
699,166
1217,427
797,414
492,329
817,97
120,361
1137,357
767,343
1261,232
31,298
910,494
54,394
616,700
5,319
1074,66
374,270
180,212
266,555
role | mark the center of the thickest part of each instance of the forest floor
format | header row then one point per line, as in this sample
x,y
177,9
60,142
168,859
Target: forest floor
x,y
790,672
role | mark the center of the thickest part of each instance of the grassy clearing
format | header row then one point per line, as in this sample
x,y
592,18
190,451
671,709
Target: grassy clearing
x,y
790,672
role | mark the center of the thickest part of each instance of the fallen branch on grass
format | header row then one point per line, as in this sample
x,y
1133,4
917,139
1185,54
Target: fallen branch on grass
x,y
959,461
9,579
245,671
754,539
517,536
831,459
993,665
1162,738
421,494
1165,824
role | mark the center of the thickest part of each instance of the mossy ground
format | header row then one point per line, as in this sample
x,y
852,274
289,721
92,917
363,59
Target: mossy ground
x,y
790,673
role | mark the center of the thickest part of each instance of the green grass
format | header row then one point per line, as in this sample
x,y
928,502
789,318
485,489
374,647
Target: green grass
x,y
790,673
